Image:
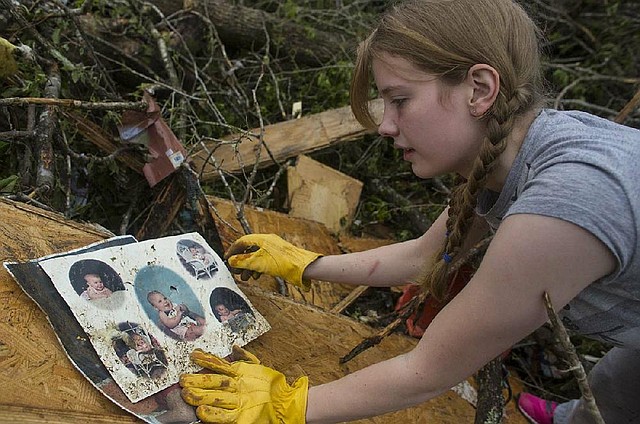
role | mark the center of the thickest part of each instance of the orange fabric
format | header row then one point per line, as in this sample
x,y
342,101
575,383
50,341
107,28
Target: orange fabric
x,y
418,321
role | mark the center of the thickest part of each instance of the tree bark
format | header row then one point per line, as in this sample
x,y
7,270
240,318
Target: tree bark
x,y
238,28
490,400
242,27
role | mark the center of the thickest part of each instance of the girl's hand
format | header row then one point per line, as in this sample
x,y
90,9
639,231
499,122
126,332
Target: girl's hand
x,y
243,391
254,254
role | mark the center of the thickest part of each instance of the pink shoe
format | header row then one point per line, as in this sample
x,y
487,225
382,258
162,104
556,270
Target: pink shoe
x,y
537,411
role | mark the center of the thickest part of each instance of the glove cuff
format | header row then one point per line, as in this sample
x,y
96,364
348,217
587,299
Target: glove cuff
x,y
306,258
292,408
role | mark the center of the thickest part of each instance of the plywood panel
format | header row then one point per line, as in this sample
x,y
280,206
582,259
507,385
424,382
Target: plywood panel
x,y
34,371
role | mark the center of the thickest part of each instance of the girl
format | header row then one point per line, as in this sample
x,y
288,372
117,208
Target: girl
x,y
462,90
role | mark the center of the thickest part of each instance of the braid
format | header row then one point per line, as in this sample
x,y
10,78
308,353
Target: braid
x,y
464,196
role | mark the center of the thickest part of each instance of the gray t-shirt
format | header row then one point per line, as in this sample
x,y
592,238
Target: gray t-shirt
x,y
585,170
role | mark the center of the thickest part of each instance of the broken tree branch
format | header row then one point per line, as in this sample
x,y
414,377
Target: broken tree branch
x,y
72,103
628,108
490,407
43,134
575,365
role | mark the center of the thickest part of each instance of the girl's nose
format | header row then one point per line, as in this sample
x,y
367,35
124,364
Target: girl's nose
x,y
387,127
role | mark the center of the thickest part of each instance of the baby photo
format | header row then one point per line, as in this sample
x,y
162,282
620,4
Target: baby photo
x,y
197,260
140,351
145,306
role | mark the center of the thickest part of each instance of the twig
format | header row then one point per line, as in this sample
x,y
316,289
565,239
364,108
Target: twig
x,y
418,220
626,110
349,299
15,135
168,65
573,361
71,103
374,340
28,200
43,134
276,177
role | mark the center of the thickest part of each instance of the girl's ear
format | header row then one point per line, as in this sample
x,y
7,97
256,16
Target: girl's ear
x,y
485,82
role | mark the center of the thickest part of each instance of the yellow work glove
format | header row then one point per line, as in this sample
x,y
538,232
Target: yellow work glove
x,y
255,254
243,392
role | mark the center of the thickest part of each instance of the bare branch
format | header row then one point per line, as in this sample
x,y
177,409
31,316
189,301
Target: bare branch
x,y
71,103
574,362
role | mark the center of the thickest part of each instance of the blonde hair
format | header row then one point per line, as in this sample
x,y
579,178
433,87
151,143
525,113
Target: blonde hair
x,y
446,38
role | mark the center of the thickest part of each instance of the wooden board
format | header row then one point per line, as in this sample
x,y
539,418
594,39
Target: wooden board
x,y
322,194
34,370
39,384
284,140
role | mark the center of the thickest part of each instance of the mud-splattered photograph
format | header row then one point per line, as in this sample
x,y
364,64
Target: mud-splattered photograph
x,y
197,260
231,309
139,351
95,281
145,308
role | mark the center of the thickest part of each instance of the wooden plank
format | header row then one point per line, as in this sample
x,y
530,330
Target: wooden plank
x,y
21,414
320,193
284,140
34,370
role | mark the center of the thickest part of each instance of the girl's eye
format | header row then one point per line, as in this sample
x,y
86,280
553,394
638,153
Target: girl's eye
x,y
398,101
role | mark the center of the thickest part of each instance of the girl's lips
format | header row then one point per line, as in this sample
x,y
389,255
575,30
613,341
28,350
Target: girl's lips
x,y
407,153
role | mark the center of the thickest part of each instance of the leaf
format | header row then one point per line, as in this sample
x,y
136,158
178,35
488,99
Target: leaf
x,y
8,65
8,185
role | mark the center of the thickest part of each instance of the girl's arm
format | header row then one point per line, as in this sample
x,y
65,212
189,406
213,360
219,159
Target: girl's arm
x,y
503,303
391,265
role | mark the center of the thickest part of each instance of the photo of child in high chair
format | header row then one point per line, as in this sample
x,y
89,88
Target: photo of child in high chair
x,y
170,303
196,259
140,351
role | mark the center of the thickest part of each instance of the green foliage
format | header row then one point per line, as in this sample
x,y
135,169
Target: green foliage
x,y
9,184
594,51
591,50
290,9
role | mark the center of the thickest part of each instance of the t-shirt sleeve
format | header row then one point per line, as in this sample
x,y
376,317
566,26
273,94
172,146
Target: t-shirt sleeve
x,y
588,196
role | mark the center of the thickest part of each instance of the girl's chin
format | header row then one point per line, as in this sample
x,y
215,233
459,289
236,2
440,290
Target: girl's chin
x,y
421,173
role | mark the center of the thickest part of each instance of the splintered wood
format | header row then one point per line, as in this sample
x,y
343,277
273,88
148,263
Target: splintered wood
x,y
320,193
37,381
